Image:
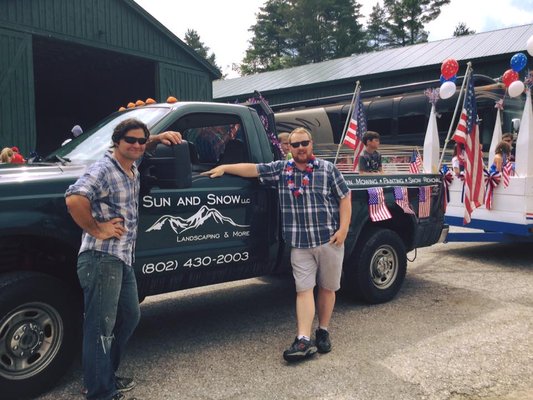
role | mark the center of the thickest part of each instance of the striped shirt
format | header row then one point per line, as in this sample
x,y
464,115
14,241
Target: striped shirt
x,y
112,193
312,218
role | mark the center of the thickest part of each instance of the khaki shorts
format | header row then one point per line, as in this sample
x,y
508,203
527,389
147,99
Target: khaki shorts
x,y
322,264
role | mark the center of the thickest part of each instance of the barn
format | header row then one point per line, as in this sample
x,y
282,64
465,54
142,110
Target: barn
x,y
72,62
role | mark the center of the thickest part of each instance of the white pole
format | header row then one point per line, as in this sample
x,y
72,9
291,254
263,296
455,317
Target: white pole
x,y
465,80
352,105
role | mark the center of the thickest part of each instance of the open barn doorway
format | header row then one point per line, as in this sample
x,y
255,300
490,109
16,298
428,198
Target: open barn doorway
x,y
79,85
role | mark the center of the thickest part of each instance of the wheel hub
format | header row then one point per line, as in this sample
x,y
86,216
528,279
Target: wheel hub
x,y
384,267
26,339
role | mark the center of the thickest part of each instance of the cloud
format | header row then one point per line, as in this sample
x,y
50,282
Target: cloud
x,y
481,16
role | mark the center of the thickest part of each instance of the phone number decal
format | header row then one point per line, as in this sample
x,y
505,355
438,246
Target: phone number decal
x,y
196,262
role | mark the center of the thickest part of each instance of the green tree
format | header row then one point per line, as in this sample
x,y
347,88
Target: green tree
x,y
376,28
462,30
296,32
327,29
269,47
192,38
407,19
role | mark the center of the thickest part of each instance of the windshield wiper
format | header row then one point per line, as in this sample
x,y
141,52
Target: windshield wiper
x,y
55,157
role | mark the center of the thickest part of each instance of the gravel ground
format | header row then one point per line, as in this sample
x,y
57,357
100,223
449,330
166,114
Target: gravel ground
x,y
460,328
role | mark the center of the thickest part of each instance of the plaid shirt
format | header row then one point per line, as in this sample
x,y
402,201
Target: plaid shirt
x,y
311,219
112,194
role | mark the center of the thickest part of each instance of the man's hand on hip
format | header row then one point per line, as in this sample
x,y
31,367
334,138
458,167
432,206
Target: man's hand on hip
x,y
108,229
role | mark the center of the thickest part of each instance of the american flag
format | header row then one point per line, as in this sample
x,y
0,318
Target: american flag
x,y
424,201
376,205
415,165
507,171
402,199
467,133
356,130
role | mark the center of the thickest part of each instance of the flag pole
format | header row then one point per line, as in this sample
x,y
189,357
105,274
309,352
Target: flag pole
x,y
350,110
467,78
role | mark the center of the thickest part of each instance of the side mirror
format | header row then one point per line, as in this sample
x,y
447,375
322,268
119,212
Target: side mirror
x,y
170,166
515,124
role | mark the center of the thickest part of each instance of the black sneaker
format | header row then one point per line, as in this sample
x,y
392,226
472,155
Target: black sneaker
x,y
120,396
299,350
322,341
124,384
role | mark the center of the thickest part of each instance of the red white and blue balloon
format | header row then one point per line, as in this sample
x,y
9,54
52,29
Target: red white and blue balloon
x,y
518,62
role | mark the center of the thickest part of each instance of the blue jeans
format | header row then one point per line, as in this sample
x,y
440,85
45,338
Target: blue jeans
x,y
111,315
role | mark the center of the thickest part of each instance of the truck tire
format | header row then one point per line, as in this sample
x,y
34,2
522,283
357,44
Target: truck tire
x,y
377,267
39,332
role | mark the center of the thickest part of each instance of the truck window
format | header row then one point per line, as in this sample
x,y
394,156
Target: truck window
x,y
213,139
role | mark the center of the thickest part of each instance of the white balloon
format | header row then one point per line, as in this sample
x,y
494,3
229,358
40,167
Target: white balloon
x,y
516,88
529,45
447,90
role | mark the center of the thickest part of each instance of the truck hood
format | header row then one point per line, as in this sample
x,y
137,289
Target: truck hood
x,y
39,172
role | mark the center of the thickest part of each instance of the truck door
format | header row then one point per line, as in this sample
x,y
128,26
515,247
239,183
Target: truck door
x,y
217,230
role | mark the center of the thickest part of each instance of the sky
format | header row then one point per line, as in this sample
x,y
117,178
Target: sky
x,y
223,25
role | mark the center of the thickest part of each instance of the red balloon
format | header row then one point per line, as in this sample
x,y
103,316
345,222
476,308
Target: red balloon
x,y
509,77
449,68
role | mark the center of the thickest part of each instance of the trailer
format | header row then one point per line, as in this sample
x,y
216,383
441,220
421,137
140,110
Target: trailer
x,y
510,219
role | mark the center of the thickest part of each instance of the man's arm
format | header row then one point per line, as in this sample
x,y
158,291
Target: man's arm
x,y
168,138
246,170
80,209
345,215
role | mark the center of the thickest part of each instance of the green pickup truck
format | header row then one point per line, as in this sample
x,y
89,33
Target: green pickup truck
x,y
193,230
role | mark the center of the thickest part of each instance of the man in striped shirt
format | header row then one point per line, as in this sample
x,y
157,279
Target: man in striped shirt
x,y
104,202
316,211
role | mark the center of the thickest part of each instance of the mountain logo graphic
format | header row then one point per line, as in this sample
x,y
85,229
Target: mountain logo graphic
x,y
180,225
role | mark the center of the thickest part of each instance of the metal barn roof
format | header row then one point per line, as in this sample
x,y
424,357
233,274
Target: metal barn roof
x,y
463,48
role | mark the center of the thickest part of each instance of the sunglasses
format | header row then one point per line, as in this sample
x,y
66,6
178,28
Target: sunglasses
x,y
132,140
303,143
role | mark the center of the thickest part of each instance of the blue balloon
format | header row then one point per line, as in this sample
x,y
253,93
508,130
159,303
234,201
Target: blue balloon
x,y
518,62
443,79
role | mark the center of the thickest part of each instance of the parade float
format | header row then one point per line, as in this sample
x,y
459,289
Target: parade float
x,y
499,206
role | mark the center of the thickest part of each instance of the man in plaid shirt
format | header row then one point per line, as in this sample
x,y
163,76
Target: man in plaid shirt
x,y
316,211
104,202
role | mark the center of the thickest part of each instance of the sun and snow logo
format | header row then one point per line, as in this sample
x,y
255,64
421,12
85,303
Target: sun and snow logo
x,y
204,214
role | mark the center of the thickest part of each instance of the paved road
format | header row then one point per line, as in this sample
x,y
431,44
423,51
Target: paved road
x,y
461,328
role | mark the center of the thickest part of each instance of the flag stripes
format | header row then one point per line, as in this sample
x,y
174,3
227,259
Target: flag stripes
x,y
467,133
424,201
377,209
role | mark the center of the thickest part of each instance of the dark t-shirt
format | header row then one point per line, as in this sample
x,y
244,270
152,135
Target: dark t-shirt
x,y
369,162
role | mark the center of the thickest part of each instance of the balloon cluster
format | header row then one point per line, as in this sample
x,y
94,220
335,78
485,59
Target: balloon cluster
x,y
448,77
510,78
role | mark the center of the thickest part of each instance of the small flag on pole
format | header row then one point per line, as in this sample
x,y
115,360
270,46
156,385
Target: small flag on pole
x,y
507,171
415,165
356,130
424,201
377,208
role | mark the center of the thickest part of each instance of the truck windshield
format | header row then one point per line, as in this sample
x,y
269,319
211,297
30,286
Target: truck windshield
x,y
92,145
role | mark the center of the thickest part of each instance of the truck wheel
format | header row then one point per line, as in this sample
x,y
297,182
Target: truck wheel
x,y
39,332
377,267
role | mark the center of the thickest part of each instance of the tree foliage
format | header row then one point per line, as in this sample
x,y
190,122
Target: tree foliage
x,y
462,30
192,38
288,33
295,32
407,19
376,28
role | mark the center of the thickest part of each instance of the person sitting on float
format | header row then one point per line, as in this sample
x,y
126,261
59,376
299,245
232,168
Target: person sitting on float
x,y
508,138
502,154
458,159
